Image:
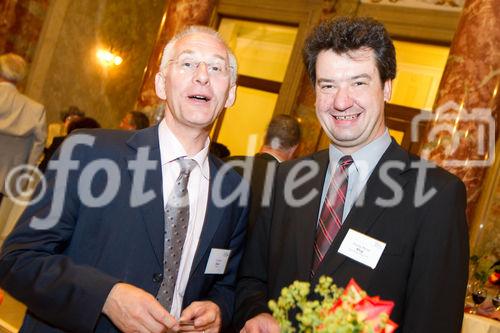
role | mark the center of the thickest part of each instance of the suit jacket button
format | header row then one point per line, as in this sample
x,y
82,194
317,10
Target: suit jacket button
x,y
157,277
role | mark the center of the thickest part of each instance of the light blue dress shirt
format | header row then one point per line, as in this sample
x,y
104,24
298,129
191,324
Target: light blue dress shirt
x,y
364,161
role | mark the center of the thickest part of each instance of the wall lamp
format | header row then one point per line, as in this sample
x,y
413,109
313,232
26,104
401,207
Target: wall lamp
x,y
107,58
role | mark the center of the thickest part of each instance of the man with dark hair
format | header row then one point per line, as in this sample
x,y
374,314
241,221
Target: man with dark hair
x,y
373,212
58,131
280,144
134,120
350,35
77,122
72,112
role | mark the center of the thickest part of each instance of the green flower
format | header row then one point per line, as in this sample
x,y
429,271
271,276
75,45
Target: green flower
x,y
316,316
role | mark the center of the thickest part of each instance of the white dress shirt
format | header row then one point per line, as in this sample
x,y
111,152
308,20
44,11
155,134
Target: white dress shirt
x,y
170,150
364,161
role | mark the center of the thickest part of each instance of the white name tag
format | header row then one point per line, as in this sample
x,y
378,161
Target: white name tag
x,y
362,248
217,261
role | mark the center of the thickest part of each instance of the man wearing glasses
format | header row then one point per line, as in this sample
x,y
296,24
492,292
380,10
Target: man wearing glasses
x,y
162,253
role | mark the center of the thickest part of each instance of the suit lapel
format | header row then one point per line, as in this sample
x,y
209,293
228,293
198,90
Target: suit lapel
x,y
306,217
213,218
152,211
363,216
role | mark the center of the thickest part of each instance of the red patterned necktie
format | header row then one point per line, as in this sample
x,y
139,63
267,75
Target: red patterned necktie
x,y
330,219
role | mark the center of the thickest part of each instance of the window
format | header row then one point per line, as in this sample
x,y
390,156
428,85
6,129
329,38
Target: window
x,y
263,52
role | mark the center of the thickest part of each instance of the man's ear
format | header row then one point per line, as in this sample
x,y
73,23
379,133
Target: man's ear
x,y
387,90
160,86
231,97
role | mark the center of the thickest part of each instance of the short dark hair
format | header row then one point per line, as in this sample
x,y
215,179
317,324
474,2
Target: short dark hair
x,y
71,111
285,129
139,120
220,150
344,34
83,122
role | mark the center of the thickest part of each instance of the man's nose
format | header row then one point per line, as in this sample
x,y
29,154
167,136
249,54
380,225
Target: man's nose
x,y
342,99
201,74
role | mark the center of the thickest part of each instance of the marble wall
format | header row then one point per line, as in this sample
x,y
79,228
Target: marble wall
x,y
21,22
20,25
66,70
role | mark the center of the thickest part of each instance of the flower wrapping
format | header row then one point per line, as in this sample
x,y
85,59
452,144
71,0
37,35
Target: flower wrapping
x,y
372,308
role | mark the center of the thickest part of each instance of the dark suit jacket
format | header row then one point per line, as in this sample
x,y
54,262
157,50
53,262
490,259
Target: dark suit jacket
x,y
423,268
64,274
264,167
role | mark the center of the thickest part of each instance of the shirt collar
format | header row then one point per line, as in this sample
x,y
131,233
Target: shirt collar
x,y
366,158
171,149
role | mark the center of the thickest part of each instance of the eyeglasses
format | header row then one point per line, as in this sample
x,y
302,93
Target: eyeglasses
x,y
190,65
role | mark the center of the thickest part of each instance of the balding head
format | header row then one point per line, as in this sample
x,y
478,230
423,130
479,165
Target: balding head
x,y
196,29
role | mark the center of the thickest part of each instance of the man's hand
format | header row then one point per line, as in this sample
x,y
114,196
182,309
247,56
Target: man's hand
x,y
132,309
205,315
262,323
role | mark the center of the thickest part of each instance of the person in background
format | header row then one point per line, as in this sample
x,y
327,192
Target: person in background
x,y
282,139
76,122
23,127
281,142
60,129
134,120
151,106
364,208
67,116
156,253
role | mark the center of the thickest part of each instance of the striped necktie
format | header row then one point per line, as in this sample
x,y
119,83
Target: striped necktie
x,y
330,219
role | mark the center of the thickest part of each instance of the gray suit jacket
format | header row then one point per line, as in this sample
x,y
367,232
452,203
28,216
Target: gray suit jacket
x,y
23,130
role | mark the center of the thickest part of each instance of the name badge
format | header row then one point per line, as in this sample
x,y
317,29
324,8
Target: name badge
x,y
217,261
362,248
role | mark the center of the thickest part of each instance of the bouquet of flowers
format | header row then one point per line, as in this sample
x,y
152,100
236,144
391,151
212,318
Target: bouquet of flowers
x,y
348,310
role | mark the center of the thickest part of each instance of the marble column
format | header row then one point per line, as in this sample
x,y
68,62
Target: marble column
x,y
178,14
461,134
